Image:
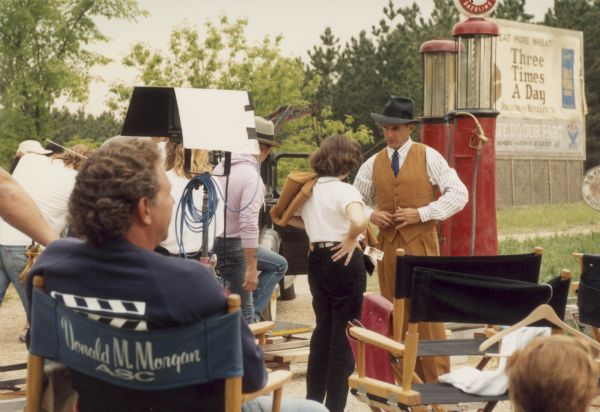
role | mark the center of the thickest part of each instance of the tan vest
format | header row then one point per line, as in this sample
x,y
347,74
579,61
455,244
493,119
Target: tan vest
x,y
411,188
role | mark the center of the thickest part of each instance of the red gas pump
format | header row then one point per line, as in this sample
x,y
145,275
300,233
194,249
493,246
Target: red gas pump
x,y
474,230
439,95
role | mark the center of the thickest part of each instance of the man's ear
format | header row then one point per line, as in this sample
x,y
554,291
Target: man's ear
x,y
142,211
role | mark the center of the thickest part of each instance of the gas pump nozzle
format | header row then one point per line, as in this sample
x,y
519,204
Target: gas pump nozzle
x,y
477,133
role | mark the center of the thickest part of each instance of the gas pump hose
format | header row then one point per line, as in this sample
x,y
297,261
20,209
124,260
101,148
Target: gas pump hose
x,y
481,140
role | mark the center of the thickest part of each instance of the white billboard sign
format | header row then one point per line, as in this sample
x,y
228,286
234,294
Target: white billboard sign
x,y
541,101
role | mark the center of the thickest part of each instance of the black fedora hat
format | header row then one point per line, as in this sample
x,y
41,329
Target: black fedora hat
x,y
397,110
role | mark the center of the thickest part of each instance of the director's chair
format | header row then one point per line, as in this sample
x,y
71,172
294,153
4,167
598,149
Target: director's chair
x,y
206,351
440,296
524,267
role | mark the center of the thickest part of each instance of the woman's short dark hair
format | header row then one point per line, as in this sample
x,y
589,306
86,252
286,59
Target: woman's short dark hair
x,y
337,155
107,189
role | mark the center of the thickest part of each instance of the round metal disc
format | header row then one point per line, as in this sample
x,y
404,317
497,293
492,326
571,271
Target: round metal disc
x,y
590,188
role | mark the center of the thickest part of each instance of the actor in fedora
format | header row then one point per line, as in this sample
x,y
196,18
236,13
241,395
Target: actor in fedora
x,y
402,180
240,257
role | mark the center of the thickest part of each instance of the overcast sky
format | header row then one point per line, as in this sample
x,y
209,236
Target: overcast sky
x,y
300,22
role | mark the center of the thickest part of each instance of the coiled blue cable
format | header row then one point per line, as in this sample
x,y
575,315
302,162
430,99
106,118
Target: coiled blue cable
x,y
191,216
194,218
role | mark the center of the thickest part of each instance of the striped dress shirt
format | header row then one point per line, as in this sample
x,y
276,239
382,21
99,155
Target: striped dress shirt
x,y
454,194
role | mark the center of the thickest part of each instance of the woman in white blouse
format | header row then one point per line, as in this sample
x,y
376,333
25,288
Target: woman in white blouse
x,y
333,217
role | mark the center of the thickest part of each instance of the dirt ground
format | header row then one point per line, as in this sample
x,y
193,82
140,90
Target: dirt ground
x,y
299,310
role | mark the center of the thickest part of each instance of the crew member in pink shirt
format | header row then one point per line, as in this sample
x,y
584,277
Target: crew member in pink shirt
x,y
240,257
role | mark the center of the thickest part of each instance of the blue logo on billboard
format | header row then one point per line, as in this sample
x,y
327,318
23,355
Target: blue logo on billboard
x,y
573,132
568,78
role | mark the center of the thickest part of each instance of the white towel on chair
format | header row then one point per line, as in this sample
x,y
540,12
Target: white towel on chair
x,y
493,383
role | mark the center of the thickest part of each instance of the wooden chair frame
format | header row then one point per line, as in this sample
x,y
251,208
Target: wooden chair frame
x,y
233,386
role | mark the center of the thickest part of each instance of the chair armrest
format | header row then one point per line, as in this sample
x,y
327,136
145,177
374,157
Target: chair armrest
x,y
275,381
376,339
259,328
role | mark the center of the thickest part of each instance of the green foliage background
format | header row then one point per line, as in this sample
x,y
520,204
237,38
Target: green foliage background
x,y
45,58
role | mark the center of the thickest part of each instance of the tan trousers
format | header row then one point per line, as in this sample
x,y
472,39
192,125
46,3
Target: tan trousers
x,y
426,244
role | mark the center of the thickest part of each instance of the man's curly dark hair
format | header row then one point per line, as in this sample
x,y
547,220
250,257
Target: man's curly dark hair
x,y
107,189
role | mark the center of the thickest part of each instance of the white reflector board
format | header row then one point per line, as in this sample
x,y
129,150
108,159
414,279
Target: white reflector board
x,y
214,119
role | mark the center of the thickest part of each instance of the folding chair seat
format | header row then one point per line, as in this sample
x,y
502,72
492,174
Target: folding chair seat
x,y
440,296
207,351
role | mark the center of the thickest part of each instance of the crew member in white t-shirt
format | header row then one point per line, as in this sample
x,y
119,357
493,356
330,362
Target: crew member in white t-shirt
x,y
333,217
49,182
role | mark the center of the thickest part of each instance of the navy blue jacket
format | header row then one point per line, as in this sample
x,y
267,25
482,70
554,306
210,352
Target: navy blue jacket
x,y
176,292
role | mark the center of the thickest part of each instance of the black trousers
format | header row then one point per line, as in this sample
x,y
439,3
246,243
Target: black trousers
x,y
337,298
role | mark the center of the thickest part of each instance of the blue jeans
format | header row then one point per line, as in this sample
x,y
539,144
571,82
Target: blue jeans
x,y
231,263
12,262
264,403
272,267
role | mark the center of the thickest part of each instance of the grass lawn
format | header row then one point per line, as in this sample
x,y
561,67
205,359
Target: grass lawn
x,y
545,218
568,221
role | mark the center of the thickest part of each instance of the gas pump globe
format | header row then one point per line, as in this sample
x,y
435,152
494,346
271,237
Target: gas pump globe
x,y
476,64
474,230
439,96
439,79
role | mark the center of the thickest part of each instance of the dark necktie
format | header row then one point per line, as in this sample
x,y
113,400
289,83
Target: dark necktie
x,y
395,163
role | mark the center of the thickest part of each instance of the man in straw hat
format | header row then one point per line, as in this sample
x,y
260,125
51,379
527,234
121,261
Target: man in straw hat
x,y
240,255
403,178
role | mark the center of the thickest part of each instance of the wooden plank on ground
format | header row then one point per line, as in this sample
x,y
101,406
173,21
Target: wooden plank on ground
x,y
286,345
293,355
290,328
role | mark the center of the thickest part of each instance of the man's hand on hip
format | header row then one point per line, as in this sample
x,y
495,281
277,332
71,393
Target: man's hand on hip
x,y
406,216
382,219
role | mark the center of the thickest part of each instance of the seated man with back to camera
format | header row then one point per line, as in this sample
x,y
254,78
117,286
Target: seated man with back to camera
x,y
553,374
121,205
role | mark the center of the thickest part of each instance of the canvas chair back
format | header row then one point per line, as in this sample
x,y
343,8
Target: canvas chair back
x,y
442,296
588,293
523,267
151,360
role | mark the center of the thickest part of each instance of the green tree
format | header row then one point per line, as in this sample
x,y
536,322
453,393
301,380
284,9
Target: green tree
x,y
324,59
220,57
44,56
371,67
300,137
69,127
512,10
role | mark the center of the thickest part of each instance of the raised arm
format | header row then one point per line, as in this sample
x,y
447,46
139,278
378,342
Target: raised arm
x,y
18,209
